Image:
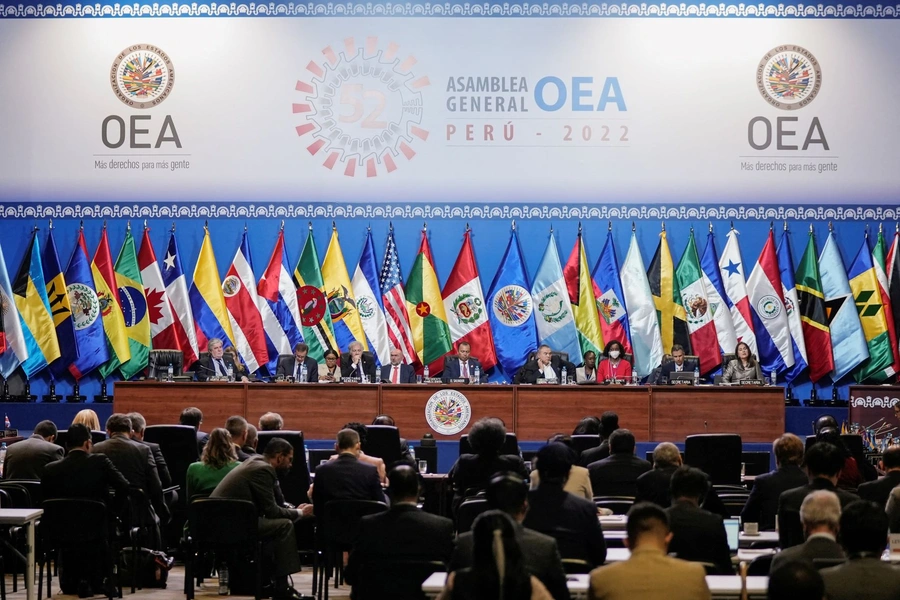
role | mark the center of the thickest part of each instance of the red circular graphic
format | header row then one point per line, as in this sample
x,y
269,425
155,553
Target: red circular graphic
x,y
312,305
423,309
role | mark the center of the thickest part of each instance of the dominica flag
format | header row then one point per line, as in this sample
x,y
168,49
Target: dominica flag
x,y
870,307
318,332
134,308
427,316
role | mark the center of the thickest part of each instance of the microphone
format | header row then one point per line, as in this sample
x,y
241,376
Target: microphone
x,y
705,427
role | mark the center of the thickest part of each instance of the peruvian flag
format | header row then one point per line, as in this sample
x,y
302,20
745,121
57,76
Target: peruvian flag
x,y
692,289
467,312
731,269
165,329
242,302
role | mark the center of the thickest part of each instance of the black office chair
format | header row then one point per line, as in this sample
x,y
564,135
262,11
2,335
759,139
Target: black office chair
x,y
338,531
790,529
510,445
585,442
62,434
178,444
716,454
760,566
397,579
468,511
620,505
383,441
295,483
159,360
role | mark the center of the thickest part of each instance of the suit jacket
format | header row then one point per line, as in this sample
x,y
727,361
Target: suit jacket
x,y
815,547
27,459
368,367
649,575
792,499
407,374
204,368
398,534
862,579
735,372
345,478
475,471
162,469
135,461
592,455
254,480
578,483
617,474
83,475
539,551
286,368
699,535
571,520
762,505
893,510
580,376
653,486
452,369
666,370
530,372
874,491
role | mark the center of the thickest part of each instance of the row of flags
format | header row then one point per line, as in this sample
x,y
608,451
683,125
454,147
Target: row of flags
x,y
99,314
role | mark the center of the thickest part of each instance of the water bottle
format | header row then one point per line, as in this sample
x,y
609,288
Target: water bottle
x,y
696,376
564,378
412,453
634,378
774,377
230,372
170,373
223,581
476,375
303,373
306,454
426,373
2,456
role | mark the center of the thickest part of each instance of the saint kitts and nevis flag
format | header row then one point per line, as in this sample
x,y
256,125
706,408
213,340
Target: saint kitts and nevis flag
x,y
872,315
318,332
427,316
892,273
580,288
813,316
698,312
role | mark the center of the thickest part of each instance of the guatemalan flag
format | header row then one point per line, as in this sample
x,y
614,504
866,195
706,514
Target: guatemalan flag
x,y
555,319
773,334
792,307
369,302
610,299
177,292
239,288
277,299
731,268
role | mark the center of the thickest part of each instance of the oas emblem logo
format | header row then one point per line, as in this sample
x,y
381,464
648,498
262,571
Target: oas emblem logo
x,y
85,305
512,305
768,307
142,76
788,77
448,412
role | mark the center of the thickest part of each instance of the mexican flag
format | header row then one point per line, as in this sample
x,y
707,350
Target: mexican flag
x,y
692,295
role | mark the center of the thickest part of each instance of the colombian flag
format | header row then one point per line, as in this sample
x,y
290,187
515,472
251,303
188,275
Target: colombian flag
x,y
207,298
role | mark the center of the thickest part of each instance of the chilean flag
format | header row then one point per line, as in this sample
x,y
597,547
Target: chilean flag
x,y
241,300
189,335
770,322
278,305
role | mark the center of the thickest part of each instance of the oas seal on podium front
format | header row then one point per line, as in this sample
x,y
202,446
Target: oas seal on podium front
x,y
448,412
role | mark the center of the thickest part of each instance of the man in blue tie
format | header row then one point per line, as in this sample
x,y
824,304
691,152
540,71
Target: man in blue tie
x,y
216,364
291,366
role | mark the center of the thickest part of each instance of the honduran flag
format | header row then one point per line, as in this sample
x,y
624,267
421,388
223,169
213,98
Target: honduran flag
x,y
766,294
278,305
239,288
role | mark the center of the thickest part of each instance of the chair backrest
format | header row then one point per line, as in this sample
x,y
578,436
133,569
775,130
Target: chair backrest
x,y
576,566
342,517
759,566
368,356
790,529
727,358
74,522
620,505
585,442
159,360
18,495
717,454
510,446
563,356
294,483
383,441
62,434
34,489
223,522
468,511
734,502
756,463
398,579
178,444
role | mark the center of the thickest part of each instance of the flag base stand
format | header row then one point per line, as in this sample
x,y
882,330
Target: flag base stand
x,y
51,398
103,399
76,399
23,398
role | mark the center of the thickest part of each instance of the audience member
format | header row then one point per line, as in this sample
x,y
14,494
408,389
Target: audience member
x,y
237,427
375,461
254,480
404,444
507,492
193,417
271,421
252,440
588,426
820,515
617,474
649,574
397,534
864,530
579,481
345,478
879,491
851,476
571,520
654,485
796,581
825,421
138,425
762,505
87,417
473,471
893,510
27,459
609,422
697,535
217,460
500,565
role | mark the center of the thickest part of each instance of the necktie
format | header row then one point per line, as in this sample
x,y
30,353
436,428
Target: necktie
x,y
296,371
221,367
395,374
465,370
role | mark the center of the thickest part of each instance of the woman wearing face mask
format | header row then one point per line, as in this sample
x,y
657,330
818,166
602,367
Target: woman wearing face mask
x,y
613,367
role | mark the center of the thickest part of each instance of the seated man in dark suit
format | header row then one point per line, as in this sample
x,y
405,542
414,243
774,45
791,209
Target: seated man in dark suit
x,y
217,363
820,515
397,371
138,424
27,459
291,366
571,520
397,535
762,505
654,485
678,364
254,480
617,474
271,421
464,365
355,364
864,533
544,367
697,535
609,422
345,478
194,417
237,427
795,581
508,492
873,491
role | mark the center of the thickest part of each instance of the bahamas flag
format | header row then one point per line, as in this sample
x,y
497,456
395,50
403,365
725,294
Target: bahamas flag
x,y
581,296
30,294
60,307
427,316
345,317
870,307
207,298
19,340
848,341
104,273
86,317
318,331
134,308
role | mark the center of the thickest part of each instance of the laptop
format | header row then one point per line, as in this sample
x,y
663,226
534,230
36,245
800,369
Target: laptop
x,y
732,532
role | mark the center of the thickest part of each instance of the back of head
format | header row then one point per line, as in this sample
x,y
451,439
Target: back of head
x,y
788,450
497,557
277,447
507,492
690,483
138,423
864,529
271,422
252,436
360,430
588,426
666,454
821,508
621,441
87,417
609,422
219,449
384,420
403,483
118,423
554,462
825,421
646,518
191,416
347,439
891,457
487,436
77,435
796,580
824,460
236,426
833,437
45,429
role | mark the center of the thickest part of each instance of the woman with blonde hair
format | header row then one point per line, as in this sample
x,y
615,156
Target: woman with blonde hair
x,y
88,418
217,460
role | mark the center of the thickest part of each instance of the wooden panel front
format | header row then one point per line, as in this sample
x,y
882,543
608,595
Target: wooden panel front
x,y
162,403
318,409
547,409
755,413
406,403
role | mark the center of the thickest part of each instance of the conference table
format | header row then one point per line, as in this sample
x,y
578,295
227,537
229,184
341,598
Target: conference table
x,y
533,412
24,517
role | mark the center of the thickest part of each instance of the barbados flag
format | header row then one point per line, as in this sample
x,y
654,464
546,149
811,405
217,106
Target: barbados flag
x,y
60,309
207,298
134,308
30,294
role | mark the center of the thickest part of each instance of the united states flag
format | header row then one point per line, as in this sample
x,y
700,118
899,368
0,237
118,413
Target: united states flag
x,y
395,302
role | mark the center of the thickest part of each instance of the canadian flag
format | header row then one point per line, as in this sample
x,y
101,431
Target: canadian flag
x,y
467,312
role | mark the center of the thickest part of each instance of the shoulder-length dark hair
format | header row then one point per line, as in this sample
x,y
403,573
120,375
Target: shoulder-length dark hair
x,y
751,359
